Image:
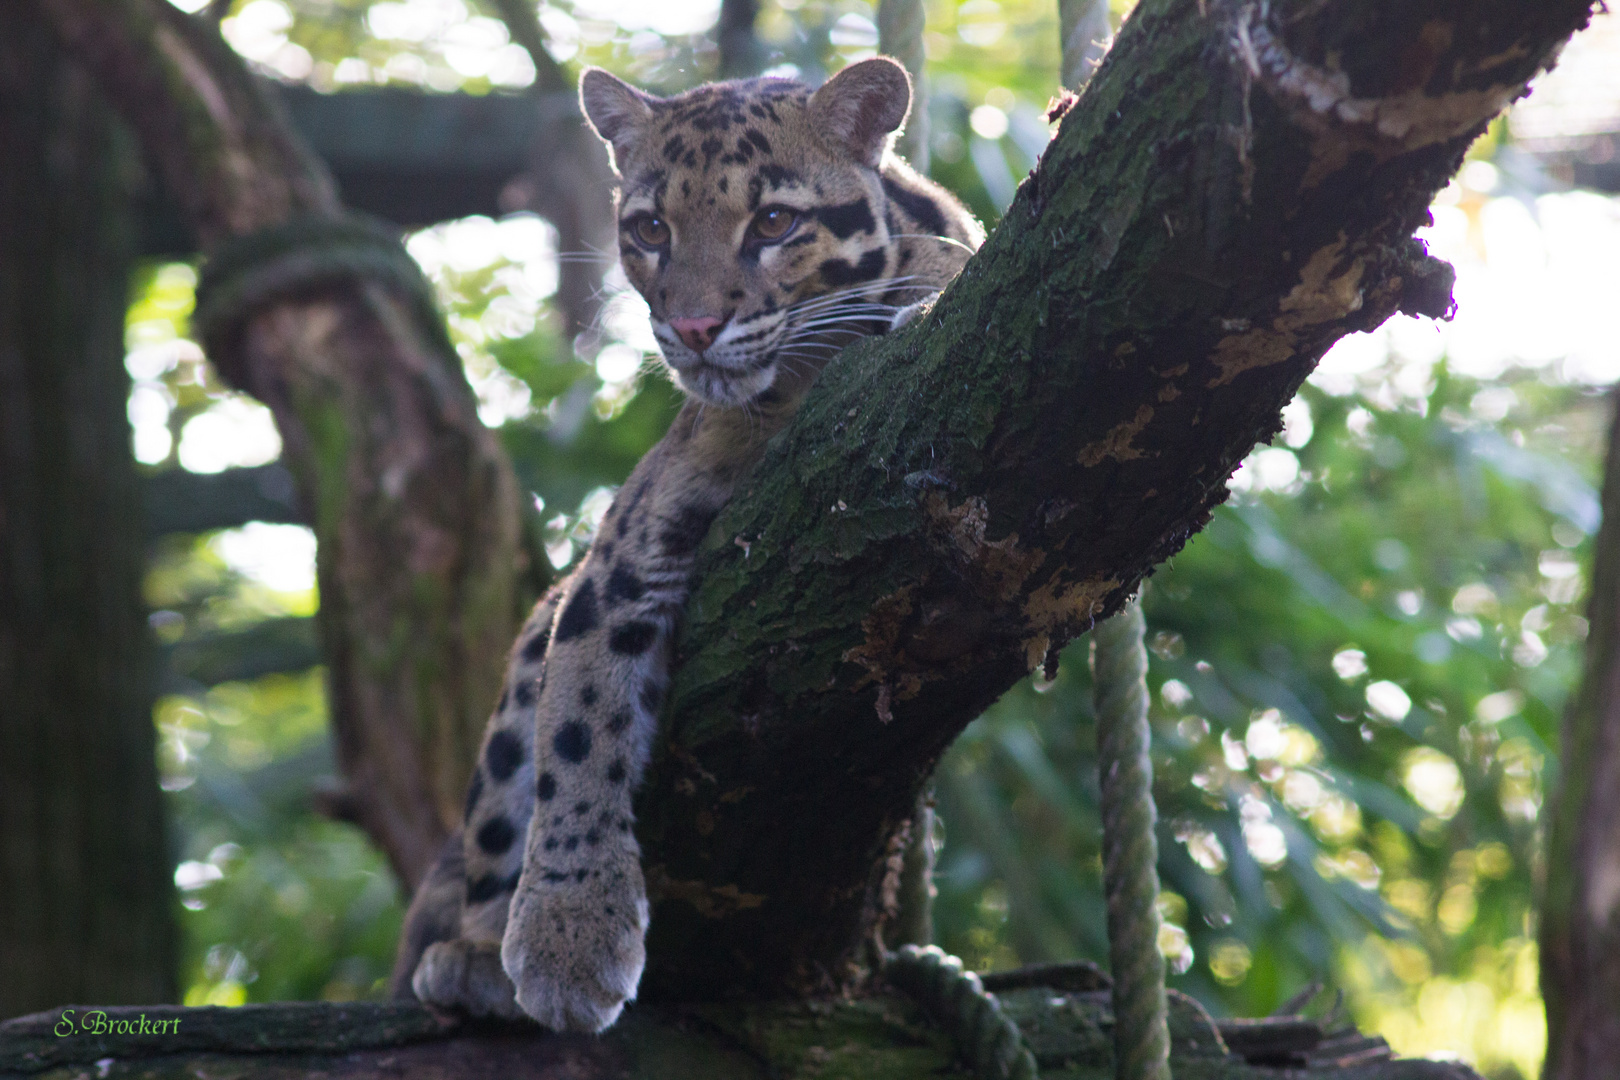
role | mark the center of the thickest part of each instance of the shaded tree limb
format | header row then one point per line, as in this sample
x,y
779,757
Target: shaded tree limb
x,y
1580,908
413,503
86,896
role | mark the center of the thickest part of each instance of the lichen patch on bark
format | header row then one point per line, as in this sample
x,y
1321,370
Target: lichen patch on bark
x,y
1117,444
710,901
1325,294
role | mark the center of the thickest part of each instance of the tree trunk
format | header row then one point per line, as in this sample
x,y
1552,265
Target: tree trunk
x,y
1580,911
85,892
414,506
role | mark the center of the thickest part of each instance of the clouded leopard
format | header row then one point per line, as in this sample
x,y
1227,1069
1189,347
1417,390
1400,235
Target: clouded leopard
x,y
766,225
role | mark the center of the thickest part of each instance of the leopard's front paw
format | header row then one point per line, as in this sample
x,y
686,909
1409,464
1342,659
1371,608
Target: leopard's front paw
x,y
466,976
575,950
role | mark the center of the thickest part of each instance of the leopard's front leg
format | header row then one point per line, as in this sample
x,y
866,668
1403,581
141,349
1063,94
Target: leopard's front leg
x,y
574,940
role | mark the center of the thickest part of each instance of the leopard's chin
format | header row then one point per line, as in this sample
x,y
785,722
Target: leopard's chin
x,y
724,387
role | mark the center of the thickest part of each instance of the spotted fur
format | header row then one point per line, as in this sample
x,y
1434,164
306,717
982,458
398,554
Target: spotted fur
x,y
767,225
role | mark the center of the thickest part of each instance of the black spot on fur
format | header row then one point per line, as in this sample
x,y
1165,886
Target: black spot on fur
x,y
572,742
682,533
838,272
571,843
622,584
604,548
777,175
847,219
921,209
633,638
760,142
616,772
711,147
582,808
579,617
587,696
581,875
618,722
495,836
593,838
550,844
527,691
724,185
673,149
545,788
503,755
489,887
506,695
535,647
553,876
475,791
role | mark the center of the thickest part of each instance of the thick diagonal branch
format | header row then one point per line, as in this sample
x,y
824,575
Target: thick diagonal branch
x,y
1233,192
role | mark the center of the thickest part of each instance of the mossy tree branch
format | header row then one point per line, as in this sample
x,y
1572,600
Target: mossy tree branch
x,y
1236,189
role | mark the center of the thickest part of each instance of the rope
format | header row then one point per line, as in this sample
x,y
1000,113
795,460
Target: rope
x,y
1085,34
1130,851
989,1041
299,256
900,35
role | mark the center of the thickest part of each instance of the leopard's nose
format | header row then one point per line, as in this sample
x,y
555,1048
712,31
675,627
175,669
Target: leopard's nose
x,y
699,333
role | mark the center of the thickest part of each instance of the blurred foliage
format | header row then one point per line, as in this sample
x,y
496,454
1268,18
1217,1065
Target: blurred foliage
x,y
1357,672
1357,667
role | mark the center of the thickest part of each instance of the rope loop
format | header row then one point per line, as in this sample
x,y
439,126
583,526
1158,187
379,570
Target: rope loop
x,y
989,1041
301,255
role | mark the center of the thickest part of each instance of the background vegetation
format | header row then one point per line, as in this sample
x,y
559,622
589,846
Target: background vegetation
x,y
1358,666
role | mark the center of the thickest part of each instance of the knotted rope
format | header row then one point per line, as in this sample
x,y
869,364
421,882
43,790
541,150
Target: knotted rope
x,y
989,1041
1130,851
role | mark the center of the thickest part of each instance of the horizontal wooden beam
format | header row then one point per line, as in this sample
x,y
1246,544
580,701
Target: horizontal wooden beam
x,y
409,157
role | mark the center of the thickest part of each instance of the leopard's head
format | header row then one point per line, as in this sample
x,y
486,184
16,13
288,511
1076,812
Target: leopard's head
x,y
752,218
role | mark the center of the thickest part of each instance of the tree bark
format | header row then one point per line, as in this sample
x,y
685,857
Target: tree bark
x,y
1580,910
1233,192
85,893
413,503
884,1037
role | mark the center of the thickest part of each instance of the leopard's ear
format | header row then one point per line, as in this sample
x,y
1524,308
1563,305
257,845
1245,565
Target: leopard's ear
x,y
859,108
618,111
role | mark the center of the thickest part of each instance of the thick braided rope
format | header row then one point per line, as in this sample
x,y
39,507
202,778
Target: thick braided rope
x,y
302,255
900,35
1130,851
1085,29
988,1040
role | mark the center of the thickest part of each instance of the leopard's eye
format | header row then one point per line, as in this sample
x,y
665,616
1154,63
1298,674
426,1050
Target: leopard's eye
x,y
774,222
651,230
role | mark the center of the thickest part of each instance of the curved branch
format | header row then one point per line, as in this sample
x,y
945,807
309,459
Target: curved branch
x,y
413,503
